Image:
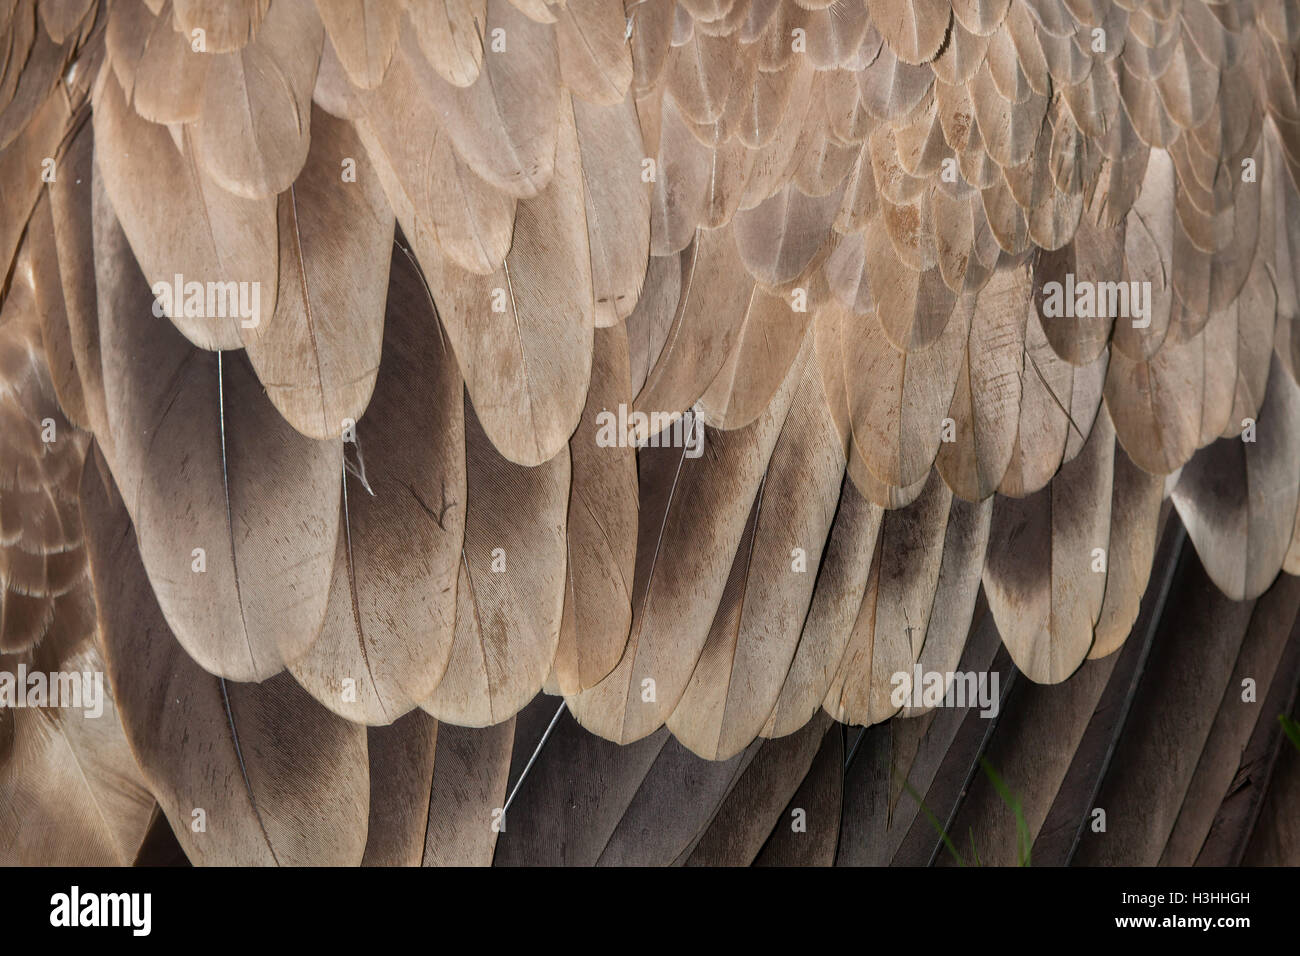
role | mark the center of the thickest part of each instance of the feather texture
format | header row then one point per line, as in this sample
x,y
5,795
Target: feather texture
x,y
217,483
735,360
391,613
277,779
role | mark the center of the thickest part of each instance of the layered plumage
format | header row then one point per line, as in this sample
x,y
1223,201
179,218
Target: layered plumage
x,y
707,364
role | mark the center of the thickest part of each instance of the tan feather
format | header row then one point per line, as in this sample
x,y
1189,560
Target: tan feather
x,y
1057,405
985,408
235,239
914,29
334,92
913,305
449,37
897,400
401,760
205,462
890,87
1041,579
1093,255
980,17
756,627
699,75
523,334
1156,405
254,126
651,321
535,10
504,124
890,628
170,76
602,527
715,297
779,237
651,41
227,26
507,621
281,780
699,182
1135,513
769,340
681,573
319,353
617,204
841,584
835,33
364,34
595,63
443,207
1243,539
953,607
1148,244
391,614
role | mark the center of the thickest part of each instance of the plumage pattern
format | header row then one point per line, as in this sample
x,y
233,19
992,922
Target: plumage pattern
x,y
714,366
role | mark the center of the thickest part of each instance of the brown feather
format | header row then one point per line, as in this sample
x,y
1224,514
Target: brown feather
x,y
401,758
508,620
1042,581
1243,538
204,461
319,352
364,35
602,528
236,238
73,794
756,627
228,26
443,207
817,804
70,208
693,515
527,367
56,334
448,34
504,124
170,75
254,125
279,780
1222,757
391,613
469,786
